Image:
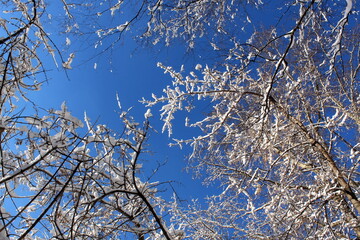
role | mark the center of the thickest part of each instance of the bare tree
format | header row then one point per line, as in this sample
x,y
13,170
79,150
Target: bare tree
x,y
60,180
282,133
69,185
281,136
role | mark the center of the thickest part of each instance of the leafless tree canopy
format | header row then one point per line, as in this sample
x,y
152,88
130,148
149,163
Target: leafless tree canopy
x,y
281,136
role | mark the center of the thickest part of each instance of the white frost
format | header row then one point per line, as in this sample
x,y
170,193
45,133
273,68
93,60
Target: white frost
x,y
67,64
148,114
122,27
68,41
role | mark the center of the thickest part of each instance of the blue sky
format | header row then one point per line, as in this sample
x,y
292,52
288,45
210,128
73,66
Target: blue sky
x,y
129,70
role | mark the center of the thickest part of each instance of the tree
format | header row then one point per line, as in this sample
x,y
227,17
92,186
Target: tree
x,y
280,137
282,134
59,180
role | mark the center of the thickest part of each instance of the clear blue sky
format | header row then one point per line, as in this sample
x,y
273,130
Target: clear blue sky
x,y
130,71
